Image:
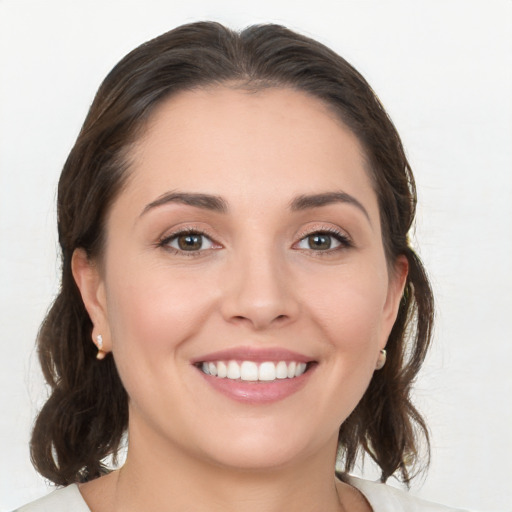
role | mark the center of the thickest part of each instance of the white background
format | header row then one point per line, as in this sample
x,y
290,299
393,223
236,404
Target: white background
x,y
442,69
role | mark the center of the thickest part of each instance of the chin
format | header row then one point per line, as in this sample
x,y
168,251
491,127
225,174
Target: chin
x,y
264,451
258,459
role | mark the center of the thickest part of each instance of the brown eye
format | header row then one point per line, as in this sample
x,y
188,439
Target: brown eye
x,y
188,242
324,241
319,241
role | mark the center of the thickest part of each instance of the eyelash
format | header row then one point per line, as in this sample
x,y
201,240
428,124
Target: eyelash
x,y
343,239
166,240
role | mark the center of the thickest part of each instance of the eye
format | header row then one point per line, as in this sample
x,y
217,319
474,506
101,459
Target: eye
x,y
188,241
324,241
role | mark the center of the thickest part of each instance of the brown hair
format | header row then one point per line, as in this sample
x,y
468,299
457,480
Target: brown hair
x,y
86,415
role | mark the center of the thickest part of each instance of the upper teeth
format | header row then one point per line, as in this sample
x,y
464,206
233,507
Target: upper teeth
x,y
249,370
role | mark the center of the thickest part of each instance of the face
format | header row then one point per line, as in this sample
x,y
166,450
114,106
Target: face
x,y
244,290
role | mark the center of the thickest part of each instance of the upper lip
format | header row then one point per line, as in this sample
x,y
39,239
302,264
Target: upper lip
x,y
253,354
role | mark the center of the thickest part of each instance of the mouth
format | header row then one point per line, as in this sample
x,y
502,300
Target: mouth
x,y
253,371
256,376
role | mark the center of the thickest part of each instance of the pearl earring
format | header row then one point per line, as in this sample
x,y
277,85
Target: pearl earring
x,y
99,343
382,360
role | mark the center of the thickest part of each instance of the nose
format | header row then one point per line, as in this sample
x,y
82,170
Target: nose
x,y
258,291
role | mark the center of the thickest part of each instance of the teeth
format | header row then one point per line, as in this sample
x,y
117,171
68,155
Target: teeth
x,y
291,369
267,371
281,370
248,371
233,370
222,370
300,369
212,369
251,371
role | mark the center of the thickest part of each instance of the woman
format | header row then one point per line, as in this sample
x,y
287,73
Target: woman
x,y
238,290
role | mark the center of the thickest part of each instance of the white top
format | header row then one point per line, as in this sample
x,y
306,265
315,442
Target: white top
x,y
381,497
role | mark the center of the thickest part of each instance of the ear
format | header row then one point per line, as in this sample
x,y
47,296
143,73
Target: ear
x,y
396,285
92,289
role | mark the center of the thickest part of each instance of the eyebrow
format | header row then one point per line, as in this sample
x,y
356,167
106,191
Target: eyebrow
x,y
304,202
219,204
204,201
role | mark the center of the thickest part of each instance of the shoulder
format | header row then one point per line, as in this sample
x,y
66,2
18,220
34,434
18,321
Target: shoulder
x,y
384,498
67,499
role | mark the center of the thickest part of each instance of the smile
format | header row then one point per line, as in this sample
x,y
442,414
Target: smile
x,y
266,371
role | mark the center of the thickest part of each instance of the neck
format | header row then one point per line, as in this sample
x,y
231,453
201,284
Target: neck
x,y
162,478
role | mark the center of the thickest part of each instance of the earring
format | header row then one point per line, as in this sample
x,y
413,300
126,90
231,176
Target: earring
x,y
382,360
99,343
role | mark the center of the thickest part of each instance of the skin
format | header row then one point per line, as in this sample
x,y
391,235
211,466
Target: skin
x,y
256,282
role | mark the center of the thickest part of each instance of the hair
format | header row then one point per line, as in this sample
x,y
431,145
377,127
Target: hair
x,y
86,414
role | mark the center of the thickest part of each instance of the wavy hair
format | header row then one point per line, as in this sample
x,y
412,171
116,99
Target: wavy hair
x,y
86,414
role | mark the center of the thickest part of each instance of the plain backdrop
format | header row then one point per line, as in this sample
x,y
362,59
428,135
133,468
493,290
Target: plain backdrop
x,y
443,69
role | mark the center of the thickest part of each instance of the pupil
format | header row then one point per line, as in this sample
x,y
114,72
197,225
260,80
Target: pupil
x,y
320,241
190,242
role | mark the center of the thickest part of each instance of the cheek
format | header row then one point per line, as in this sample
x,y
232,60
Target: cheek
x,y
351,312
151,312
348,319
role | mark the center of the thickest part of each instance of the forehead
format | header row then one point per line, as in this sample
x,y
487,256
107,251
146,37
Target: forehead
x,y
262,145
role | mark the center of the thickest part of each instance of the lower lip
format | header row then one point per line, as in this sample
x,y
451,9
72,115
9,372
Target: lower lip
x,y
258,392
